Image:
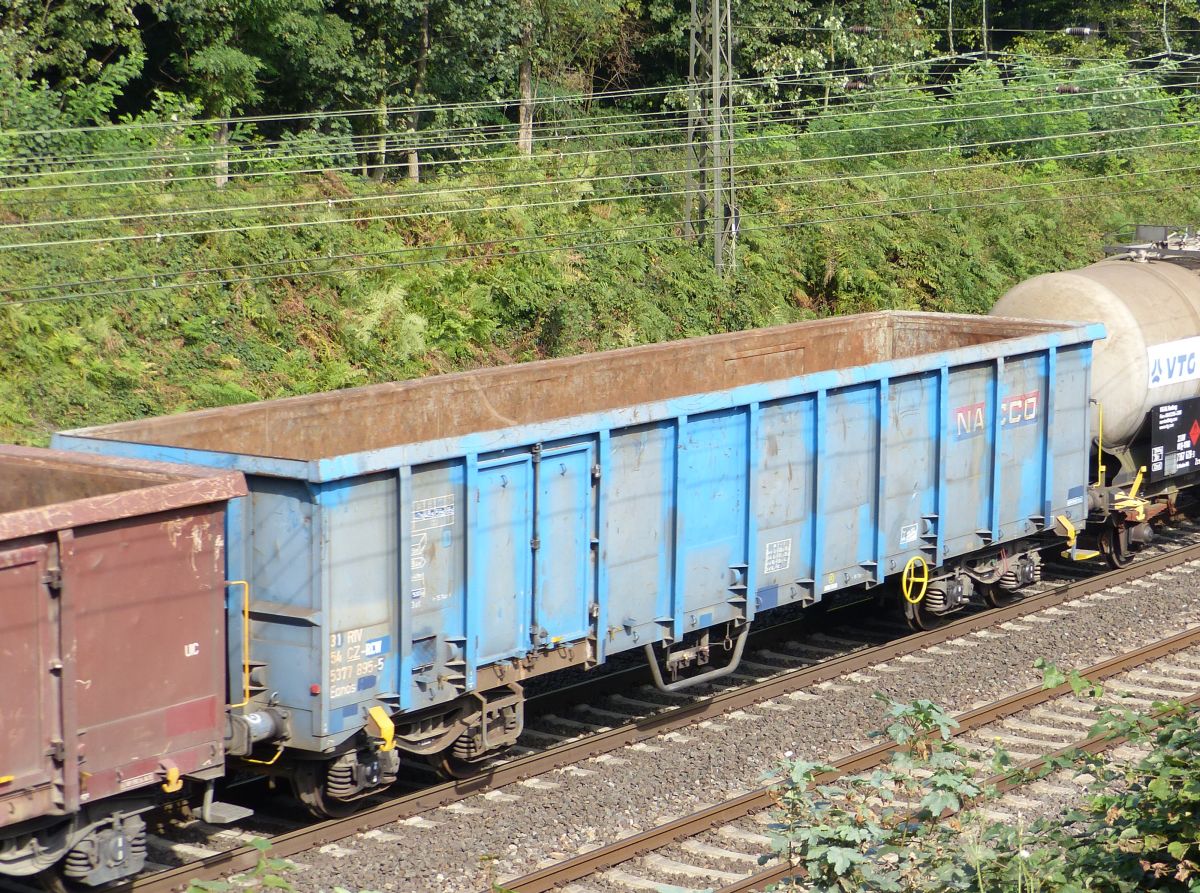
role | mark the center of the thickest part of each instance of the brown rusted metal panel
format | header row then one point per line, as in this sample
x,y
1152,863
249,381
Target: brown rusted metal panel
x,y
112,653
30,716
46,490
145,598
386,415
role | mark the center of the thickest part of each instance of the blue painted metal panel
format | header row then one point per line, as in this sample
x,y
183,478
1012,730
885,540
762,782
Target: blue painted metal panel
x,y
882,453
713,502
357,542
851,460
1070,436
1023,425
911,484
503,558
1048,459
968,470
421,555
821,483
603,499
638,538
995,435
942,428
287,615
435,594
750,543
785,496
565,568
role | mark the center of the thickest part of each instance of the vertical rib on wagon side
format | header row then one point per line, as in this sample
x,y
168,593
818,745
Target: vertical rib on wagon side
x,y
422,547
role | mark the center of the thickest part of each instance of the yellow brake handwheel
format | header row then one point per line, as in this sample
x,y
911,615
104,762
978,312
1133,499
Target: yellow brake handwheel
x,y
916,573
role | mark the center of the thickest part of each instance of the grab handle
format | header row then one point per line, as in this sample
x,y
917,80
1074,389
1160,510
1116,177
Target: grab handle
x,y
689,681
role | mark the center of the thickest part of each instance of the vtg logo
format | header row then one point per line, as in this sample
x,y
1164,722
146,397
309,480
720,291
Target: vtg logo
x,y
1015,409
1177,367
1173,362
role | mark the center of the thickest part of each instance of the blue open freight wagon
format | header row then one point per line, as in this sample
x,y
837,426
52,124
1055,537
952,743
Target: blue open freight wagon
x,y
424,546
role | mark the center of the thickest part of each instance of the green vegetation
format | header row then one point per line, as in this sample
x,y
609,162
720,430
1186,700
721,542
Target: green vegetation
x,y
165,262
1137,829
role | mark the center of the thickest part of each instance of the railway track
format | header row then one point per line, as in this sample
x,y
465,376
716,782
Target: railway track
x,y
660,719
698,846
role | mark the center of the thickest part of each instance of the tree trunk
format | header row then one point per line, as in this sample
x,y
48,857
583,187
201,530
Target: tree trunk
x,y
525,76
221,141
381,140
950,28
414,157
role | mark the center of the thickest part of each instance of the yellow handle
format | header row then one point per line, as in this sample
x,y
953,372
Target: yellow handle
x,y
916,571
5,779
270,762
245,641
380,725
172,781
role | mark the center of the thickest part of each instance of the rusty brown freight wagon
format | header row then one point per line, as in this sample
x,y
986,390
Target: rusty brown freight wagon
x,y
112,652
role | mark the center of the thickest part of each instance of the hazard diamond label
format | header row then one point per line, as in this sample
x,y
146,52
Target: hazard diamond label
x,y
1175,439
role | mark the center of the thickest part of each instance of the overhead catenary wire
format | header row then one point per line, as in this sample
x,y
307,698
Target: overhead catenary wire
x,y
641,131
748,186
509,127
145,217
845,131
159,236
672,114
606,243
968,29
419,108
557,155
942,121
233,154
742,187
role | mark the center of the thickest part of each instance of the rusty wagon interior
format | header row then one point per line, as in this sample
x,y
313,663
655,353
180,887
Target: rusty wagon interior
x,y
378,416
29,480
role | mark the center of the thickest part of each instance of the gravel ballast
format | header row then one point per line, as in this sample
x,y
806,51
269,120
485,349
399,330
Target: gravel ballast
x,y
517,829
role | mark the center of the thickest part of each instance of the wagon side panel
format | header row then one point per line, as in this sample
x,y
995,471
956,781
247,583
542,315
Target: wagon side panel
x,y
1069,416
145,662
433,568
638,540
786,484
31,779
712,481
910,485
1022,451
273,537
359,539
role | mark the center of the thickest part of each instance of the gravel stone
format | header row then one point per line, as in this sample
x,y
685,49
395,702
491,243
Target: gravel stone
x,y
506,837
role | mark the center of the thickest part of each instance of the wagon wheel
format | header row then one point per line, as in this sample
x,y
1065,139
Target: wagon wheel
x,y
920,618
1113,548
451,766
996,596
309,781
53,882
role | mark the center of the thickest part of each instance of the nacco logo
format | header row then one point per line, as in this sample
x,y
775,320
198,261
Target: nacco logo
x,y
1015,409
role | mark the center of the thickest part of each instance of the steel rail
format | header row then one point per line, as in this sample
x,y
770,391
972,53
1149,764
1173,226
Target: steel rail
x,y
1001,782
294,842
758,800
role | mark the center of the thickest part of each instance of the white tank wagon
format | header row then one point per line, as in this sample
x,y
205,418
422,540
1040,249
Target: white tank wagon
x,y
1145,377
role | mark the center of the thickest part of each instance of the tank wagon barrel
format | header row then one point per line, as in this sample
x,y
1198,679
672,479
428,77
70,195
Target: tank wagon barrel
x,y
112,652
1146,377
416,550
